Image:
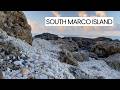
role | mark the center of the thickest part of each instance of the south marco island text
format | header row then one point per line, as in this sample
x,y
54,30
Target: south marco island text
x,y
79,21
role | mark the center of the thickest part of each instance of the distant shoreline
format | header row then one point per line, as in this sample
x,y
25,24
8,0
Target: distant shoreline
x,y
111,37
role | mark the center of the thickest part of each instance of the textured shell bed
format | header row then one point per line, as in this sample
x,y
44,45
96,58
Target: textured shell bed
x,y
43,63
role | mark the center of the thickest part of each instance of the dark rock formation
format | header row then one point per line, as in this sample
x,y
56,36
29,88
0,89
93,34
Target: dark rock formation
x,y
78,49
114,61
1,75
81,56
83,43
93,55
102,39
86,43
67,44
94,69
47,36
67,57
15,24
106,48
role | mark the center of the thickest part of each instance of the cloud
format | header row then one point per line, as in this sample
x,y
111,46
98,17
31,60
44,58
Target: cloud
x,y
37,27
101,13
97,14
56,13
97,31
85,14
100,32
82,14
89,31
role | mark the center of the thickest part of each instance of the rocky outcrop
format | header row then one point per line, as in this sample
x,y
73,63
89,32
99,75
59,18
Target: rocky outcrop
x,y
9,52
47,36
67,44
81,56
86,43
67,57
15,24
1,75
83,43
14,30
94,69
48,65
106,48
93,55
114,61
102,39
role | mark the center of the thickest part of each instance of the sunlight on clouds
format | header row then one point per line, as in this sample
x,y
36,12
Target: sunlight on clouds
x,y
82,14
97,31
101,13
37,27
89,31
57,14
97,14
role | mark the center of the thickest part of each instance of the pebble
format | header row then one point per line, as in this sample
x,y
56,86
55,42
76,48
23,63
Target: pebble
x,y
1,75
18,63
24,71
1,60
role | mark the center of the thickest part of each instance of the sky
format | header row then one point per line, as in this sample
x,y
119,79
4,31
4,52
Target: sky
x,y
36,20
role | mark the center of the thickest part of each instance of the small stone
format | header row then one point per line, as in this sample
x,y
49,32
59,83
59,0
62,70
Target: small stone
x,y
1,60
7,58
24,71
18,63
24,58
24,63
1,75
30,77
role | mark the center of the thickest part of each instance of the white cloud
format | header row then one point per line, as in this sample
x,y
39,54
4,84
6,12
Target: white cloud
x,y
82,14
101,13
37,27
56,13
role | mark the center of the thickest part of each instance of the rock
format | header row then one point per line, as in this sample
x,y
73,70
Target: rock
x,y
1,75
67,57
18,63
94,69
83,43
85,55
8,52
47,36
78,56
24,71
81,56
3,34
15,24
93,55
86,43
102,39
114,61
7,49
31,77
67,44
48,65
106,48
